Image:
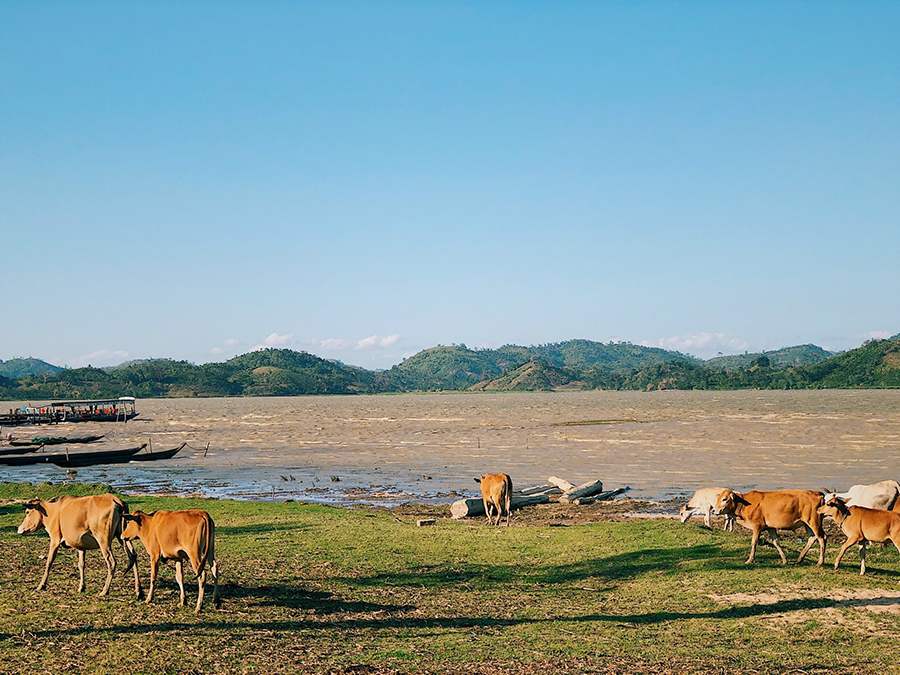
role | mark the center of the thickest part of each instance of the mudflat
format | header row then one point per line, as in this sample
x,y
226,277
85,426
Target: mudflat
x,y
427,447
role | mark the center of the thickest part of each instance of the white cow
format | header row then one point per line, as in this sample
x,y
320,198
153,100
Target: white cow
x,y
882,495
704,501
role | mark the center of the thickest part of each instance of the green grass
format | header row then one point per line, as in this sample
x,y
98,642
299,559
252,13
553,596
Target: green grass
x,y
315,588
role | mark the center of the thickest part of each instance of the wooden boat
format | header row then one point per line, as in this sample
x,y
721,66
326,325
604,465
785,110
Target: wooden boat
x,y
20,450
56,440
162,454
75,459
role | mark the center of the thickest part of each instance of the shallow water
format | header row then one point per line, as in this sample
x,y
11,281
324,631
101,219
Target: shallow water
x,y
427,447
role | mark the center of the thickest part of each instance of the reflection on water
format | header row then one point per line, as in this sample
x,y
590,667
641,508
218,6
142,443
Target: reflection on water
x,y
390,449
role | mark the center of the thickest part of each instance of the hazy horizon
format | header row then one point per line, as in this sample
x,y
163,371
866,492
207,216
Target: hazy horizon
x,y
362,181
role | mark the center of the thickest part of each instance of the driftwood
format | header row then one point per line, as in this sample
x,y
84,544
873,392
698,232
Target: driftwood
x,y
424,522
584,490
603,496
540,490
474,507
561,483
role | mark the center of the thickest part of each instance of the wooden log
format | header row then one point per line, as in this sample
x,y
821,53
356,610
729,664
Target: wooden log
x,y
474,507
539,490
561,483
603,496
584,490
424,522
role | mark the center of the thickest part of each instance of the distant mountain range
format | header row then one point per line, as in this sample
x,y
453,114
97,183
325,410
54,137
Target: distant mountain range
x,y
573,364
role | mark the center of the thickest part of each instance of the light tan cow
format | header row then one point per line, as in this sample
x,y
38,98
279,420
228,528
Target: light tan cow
x,y
178,536
760,511
862,525
703,501
496,494
84,524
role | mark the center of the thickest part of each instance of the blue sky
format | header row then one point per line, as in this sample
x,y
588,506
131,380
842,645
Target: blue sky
x,y
362,180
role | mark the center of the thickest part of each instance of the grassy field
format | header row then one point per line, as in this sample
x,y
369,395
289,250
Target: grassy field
x,y
316,588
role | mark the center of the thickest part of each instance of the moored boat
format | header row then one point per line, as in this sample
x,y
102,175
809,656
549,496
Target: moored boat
x,y
74,459
55,440
155,455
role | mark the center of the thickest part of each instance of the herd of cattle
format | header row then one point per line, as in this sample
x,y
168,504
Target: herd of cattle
x,y
865,513
92,523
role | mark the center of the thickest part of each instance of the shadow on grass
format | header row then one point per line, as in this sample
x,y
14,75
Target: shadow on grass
x,y
621,567
293,597
451,623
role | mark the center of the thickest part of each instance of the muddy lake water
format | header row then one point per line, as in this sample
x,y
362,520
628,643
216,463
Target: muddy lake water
x,y
392,449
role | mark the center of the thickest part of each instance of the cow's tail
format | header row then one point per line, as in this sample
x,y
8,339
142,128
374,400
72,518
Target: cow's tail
x,y
208,537
508,482
120,509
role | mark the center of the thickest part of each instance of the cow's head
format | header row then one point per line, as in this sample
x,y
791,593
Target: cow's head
x,y
834,507
685,513
131,525
35,511
728,502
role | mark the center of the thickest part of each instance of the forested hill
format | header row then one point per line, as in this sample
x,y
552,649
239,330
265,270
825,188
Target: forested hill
x,y
577,364
798,355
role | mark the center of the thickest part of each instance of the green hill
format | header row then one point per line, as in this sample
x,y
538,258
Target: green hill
x,y
798,355
534,375
16,368
577,364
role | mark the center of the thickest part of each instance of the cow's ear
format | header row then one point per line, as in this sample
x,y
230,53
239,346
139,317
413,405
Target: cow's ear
x,y
36,505
739,498
477,480
128,517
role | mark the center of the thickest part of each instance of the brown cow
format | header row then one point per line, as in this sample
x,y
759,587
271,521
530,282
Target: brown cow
x,y
862,525
85,524
178,536
775,510
496,493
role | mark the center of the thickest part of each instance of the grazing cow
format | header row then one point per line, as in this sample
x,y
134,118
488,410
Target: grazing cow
x,y
760,511
178,536
882,495
85,524
862,525
704,501
496,493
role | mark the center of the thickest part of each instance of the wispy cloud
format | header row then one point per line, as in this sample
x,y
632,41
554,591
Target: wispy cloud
x,y
228,346
377,342
335,344
878,334
703,344
100,358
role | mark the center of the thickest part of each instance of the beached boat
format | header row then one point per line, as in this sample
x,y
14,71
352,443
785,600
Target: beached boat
x,y
155,455
55,440
20,450
74,459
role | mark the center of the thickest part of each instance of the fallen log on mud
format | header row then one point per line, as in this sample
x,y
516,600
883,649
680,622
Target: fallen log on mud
x,y
561,483
590,489
539,490
601,497
474,507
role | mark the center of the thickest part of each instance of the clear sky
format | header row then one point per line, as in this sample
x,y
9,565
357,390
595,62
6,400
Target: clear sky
x,y
362,180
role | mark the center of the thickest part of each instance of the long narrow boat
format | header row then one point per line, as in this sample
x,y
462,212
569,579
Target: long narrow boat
x,y
162,454
20,450
75,459
56,440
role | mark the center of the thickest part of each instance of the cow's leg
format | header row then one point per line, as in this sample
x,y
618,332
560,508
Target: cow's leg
x,y
896,543
753,543
80,571
508,507
773,535
51,556
813,536
201,590
707,519
214,571
729,523
840,555
862,557
154,570
179,577
110,568
130,551
487,509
